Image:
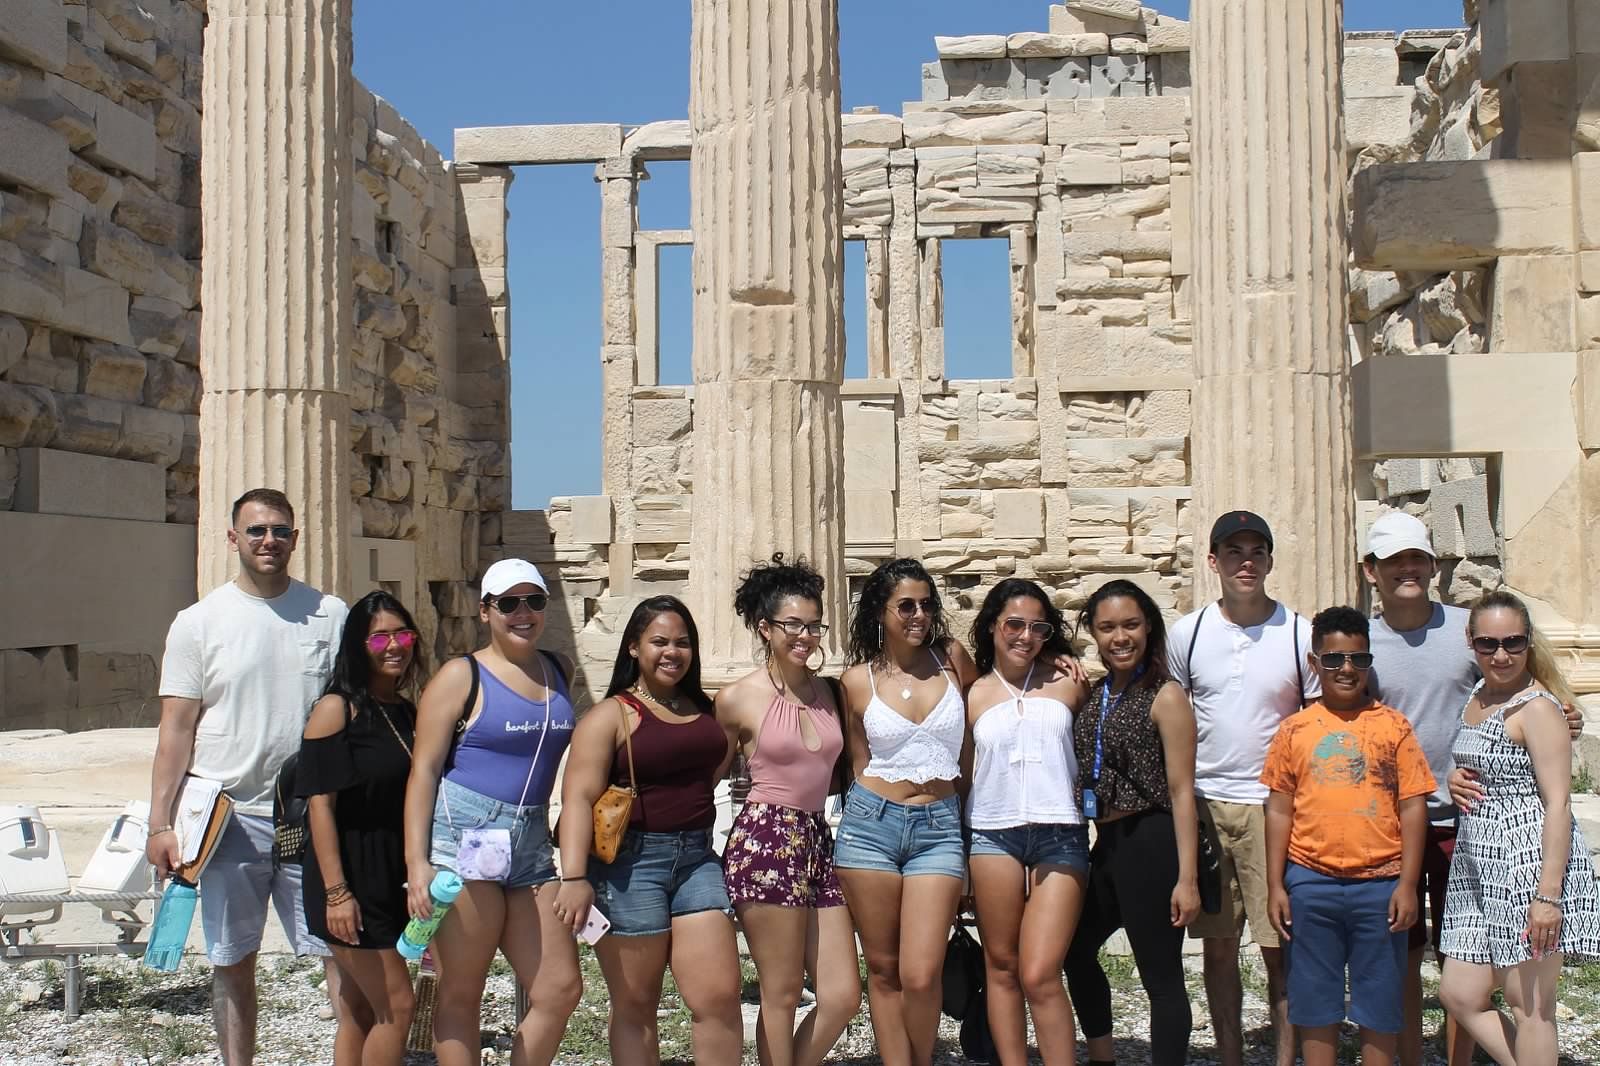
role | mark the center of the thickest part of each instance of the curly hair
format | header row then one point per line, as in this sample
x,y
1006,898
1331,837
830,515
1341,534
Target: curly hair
x,y
1346,621
1542,662
1153,667
766,585
989,614
625,671
866,631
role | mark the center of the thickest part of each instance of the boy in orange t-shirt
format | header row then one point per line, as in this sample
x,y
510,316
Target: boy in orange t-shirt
x,y
1346,823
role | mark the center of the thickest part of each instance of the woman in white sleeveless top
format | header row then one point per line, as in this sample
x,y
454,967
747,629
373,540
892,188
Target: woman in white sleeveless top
x,y
1030,842
899,853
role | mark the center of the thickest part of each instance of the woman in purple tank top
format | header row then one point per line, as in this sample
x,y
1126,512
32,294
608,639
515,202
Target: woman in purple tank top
x,y
663,892
779,859
491,730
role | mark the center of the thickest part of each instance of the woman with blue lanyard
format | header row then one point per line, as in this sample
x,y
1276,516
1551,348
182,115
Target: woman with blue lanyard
x,y
1029,855
1135,744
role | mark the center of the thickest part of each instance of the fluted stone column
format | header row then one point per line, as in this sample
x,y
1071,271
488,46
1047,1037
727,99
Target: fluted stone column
x,y
768,346
276,333
1272,396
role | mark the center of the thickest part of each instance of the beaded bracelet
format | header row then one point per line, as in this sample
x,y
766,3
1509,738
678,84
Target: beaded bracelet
x,y
1539,897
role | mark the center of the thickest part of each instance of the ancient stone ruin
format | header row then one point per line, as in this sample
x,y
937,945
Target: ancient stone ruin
x,y
1315,274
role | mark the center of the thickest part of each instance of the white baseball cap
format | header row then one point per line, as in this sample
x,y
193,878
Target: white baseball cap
x,y
507,574
1395,532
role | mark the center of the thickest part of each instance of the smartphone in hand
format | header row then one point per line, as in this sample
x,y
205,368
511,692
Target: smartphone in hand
x,y
595,928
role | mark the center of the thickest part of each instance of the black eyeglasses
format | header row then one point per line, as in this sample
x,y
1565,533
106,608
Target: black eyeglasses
x,y
794,627
1487,646
1334,660
908,608
259,533
536,602
1015,627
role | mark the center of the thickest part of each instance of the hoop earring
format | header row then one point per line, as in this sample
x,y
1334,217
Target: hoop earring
x,y
818,668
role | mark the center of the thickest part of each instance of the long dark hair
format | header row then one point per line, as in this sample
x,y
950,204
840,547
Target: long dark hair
x,y
352,666
1153,667
989,615
866,628
625,672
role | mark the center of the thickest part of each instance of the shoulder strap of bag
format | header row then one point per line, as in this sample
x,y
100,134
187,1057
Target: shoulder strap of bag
x,y
1194,638
555,661
1299,664
623,699
472,696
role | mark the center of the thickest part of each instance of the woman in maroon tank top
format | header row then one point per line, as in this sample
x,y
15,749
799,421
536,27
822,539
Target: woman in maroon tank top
x,y
779,859
663,893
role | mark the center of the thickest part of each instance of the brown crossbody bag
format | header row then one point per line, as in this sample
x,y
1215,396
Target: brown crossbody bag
x,y
615,805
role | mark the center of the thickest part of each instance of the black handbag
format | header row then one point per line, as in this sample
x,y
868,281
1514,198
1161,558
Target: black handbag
x,y
291,825
977,1040
962,973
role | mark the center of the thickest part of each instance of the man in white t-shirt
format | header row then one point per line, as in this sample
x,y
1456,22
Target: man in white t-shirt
x,y
1243,661
242,668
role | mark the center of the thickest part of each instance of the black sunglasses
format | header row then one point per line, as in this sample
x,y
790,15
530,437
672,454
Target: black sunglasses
x,y
259,533
908,608
1514,645
536,602
1334,660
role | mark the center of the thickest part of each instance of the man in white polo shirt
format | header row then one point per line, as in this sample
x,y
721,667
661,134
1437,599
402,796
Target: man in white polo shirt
x,y
1243,661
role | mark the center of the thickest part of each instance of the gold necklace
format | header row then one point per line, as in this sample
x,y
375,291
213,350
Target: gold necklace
x,y
384,711
645,694
784,690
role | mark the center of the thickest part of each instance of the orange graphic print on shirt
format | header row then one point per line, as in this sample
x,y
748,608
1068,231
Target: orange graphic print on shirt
x,y
1347,772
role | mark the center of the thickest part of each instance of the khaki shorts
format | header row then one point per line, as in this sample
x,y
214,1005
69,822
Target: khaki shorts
x,y
1238,832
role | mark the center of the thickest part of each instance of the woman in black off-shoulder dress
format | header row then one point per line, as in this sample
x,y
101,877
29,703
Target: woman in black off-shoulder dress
x,y
354,761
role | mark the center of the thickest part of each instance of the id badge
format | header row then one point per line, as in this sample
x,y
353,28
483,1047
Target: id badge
x,y
1091,804
484,855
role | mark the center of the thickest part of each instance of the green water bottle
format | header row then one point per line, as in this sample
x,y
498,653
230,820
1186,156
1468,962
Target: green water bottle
x,y
418,932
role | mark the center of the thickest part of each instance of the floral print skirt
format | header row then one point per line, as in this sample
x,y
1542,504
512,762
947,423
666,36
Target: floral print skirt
x,y
782,856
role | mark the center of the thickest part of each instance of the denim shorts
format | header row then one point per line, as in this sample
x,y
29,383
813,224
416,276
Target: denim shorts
x,y
458,809
900,838
1343,923
1037,845
657,877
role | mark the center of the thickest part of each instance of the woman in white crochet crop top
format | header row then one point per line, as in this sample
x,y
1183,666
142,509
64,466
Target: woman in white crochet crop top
x,y
1030,844
899,852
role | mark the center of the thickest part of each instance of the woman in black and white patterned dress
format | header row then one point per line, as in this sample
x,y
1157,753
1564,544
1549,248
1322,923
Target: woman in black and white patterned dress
x,y
1522,894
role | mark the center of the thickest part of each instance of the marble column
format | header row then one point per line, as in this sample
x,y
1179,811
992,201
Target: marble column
x,y
767,214
277,328
1272,389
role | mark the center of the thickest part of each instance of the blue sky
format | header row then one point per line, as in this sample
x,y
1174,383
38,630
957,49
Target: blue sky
x,y
512,62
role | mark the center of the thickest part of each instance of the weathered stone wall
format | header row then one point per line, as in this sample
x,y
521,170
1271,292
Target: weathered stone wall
x,y
1413,98
100,249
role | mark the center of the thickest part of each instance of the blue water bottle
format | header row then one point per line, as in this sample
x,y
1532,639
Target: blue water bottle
x,y
444,889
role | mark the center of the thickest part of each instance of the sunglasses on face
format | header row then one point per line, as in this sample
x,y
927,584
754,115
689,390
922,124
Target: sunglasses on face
x,y
1015,627
257,534
536,602
909,608
1487,646
403,639
1334,660
794,627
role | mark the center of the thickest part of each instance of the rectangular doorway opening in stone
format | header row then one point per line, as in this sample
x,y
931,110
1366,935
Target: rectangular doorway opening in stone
x,y
977,309
675,314
664,194
856,315
553,263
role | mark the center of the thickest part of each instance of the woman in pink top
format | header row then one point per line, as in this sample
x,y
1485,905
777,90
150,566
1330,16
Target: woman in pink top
x,y
779,859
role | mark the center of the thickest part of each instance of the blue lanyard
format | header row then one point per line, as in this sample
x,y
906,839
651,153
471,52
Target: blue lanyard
x,y
1108,707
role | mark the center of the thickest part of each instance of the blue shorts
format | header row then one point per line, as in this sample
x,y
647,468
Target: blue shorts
x,y
1037,845
238,883
900,838
657,877
1341,922
458,809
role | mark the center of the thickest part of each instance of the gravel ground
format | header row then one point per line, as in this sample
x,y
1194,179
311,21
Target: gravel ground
x,y
131,1016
